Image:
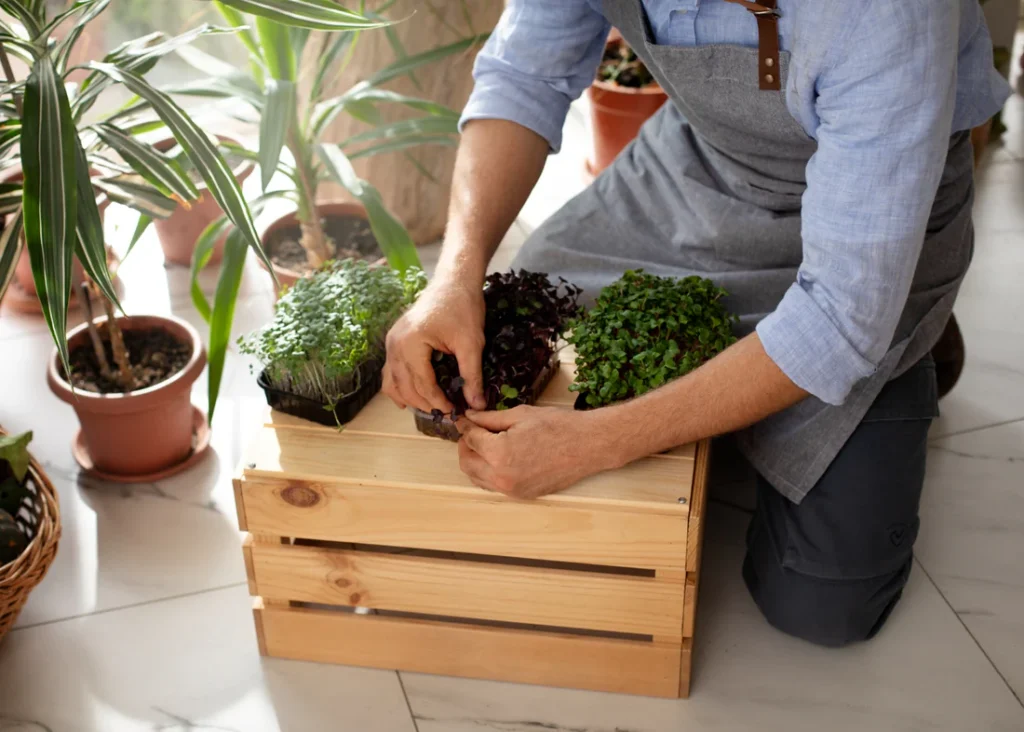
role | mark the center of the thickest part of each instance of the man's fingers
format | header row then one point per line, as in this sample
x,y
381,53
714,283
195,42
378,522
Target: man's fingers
x,y
474,437
497,421
390,387
425,381
475,466
407,388
469,354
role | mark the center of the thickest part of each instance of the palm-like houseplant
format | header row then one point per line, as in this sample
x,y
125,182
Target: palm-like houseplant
x,y
294,115
67,162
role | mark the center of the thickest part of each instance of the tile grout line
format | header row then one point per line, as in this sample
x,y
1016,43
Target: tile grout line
x,y
969,430
132,606
408,704
964,626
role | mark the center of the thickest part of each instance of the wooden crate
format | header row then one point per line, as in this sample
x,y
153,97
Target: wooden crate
x,y
369,547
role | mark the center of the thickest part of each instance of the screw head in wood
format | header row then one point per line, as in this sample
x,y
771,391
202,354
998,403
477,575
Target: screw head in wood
x,y
682,501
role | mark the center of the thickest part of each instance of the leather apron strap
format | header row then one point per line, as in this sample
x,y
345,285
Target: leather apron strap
x,y
767,15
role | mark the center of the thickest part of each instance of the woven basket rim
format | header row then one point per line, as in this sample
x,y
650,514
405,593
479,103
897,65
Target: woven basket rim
x,y
19,577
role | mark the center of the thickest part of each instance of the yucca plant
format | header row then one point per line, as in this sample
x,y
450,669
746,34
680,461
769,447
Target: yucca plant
x,y
295,117
68,161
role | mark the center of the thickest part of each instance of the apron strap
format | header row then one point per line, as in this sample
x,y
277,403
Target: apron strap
x,y
767,15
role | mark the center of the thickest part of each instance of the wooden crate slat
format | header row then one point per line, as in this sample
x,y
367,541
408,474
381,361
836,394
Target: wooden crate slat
x,y
698,504
477,522
599,664
369,459
470,589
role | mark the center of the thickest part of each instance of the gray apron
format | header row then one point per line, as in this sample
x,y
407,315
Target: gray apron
x,y
712,186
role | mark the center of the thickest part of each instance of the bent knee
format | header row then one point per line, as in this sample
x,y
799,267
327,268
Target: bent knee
x,y
826,612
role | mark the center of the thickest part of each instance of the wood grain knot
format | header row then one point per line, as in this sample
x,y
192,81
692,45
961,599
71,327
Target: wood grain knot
x,y
300,496
342,582
354,598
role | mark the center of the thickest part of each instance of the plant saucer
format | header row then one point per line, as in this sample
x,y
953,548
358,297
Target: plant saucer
x,y
200,445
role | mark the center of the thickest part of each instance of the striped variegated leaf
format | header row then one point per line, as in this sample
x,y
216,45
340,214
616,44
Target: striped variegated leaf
x,y
403,66
10,250
393,238
219,177
92,248
324,15
136,193
50,194
403,143
67,44
162,171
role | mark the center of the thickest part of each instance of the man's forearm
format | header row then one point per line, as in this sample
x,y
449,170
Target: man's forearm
x,y
498,165
737,388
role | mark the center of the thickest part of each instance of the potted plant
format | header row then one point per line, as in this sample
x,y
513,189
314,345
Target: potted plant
x,y
323,353
525,317
296,117
43,131
623,96
645,331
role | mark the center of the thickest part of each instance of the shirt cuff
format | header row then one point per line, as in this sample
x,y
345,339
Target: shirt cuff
x,y
804,342
539,107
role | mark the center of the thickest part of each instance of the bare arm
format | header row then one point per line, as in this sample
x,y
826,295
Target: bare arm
x,y
497,166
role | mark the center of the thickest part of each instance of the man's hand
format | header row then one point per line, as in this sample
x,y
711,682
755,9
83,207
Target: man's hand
x,y
528,452
448,317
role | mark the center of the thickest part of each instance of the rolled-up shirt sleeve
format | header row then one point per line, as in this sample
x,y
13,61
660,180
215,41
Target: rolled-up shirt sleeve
x,y
885,118
541,56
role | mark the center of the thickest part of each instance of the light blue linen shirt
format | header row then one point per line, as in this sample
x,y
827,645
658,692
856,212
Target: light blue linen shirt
x,y
879,84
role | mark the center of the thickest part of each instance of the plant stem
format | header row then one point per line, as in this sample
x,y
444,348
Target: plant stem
x,y
314,239
125,377
9,73
94,335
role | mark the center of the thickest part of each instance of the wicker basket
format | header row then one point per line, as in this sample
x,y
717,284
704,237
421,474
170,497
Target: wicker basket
x,y
40,518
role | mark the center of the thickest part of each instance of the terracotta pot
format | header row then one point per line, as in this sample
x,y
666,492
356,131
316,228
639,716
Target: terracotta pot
x,y
178,232
287,277
617,113
144,431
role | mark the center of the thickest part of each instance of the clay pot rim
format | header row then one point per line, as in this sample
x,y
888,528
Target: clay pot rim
x,y
241,172
611,87
337,209
141,399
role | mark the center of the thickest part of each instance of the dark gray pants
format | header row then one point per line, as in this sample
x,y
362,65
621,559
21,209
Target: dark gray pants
x,y
831,569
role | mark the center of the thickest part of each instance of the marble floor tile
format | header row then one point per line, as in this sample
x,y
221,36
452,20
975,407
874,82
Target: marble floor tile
x,y
922,672
189,664
972,538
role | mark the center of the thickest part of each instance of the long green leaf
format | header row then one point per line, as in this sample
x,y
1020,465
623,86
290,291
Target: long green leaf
x,y
278,116
162,171
403,66
237,86
245,34
10,250
204,155
223,315
51,196
407,127
92,248
66,45
276,43
136,193
325,66
403,143
323,15
393,238
328,110
200,258
76,8
141,227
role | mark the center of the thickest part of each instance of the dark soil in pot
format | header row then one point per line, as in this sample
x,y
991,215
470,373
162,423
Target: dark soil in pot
x,y
621,66
155,356
352,237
